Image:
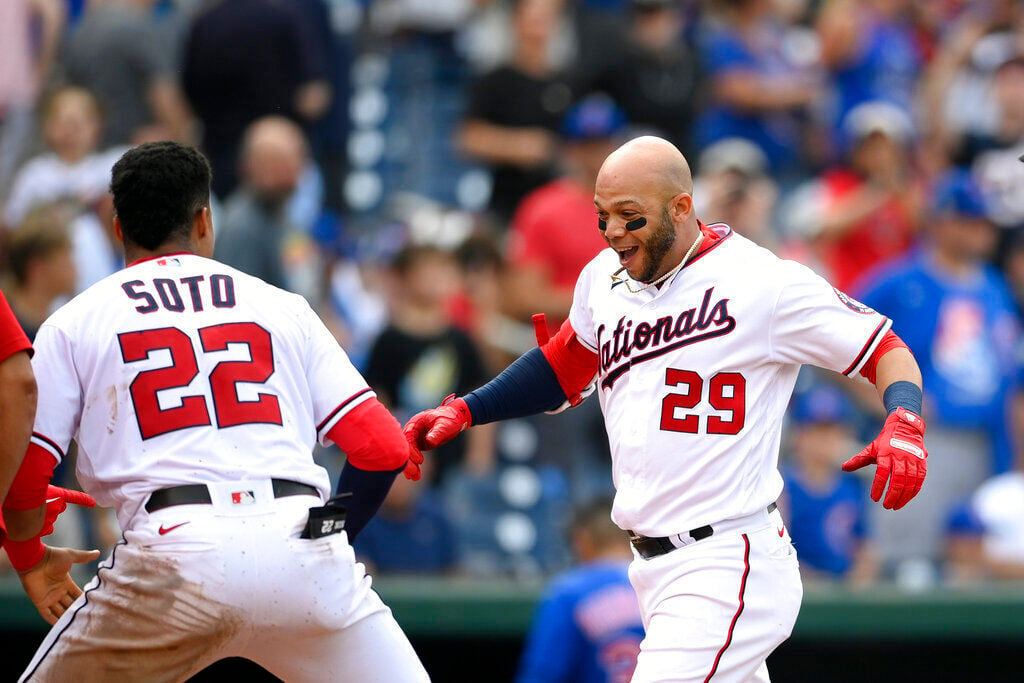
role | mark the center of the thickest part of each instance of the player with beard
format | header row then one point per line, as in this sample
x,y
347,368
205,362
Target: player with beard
x,y
692,336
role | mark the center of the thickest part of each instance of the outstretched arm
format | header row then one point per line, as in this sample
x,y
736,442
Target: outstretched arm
x,y
540,380
898,452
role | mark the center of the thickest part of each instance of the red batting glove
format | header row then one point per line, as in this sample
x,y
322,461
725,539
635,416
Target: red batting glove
x,y
431,428
899,452
57,500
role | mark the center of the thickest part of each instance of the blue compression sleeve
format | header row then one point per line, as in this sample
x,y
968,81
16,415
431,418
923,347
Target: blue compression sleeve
x,y
526,387
903,394
368,490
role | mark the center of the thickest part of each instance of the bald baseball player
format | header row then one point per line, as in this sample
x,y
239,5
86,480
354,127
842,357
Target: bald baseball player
x,y
195,394
692,337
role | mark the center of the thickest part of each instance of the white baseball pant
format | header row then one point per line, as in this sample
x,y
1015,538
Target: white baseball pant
x,y
192,584
715,609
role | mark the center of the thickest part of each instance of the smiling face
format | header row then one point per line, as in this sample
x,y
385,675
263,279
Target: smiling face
x,y
646,178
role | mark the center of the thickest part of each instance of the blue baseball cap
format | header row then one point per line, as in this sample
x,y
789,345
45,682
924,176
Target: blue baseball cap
x,y
956,192
821,403
593,118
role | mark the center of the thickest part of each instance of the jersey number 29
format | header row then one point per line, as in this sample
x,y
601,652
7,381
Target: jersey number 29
x,y
193,411
727,391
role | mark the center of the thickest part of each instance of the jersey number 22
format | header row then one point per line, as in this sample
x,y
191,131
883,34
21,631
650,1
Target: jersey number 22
x,y
193,411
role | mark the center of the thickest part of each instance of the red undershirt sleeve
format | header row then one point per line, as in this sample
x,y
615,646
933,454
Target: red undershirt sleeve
x,y
574,364
371,438
889,342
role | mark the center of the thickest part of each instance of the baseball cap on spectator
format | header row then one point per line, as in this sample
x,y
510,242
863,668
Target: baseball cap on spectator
x,y
877,116
821,403
957,193
733,154
593,118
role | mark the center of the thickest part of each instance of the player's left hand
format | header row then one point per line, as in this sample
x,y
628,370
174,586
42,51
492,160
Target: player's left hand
x,y
57,500
49,584
899,454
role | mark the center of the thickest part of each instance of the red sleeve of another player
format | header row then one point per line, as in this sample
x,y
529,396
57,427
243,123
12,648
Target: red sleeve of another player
x,y
371,438
889,342
12,337
28,490
574,364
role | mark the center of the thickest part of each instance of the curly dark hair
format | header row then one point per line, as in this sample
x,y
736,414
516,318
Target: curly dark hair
x,y
158,189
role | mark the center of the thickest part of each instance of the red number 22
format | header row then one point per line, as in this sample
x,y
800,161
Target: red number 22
x,y
193,411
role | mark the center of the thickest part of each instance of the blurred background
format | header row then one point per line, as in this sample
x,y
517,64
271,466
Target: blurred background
x,y
422,172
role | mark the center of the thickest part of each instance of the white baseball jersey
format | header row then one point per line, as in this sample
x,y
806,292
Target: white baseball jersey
x,y
695,377
152,369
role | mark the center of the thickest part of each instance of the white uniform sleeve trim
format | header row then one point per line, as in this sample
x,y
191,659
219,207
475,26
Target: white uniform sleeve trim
x,y
50,446
343,409
869,348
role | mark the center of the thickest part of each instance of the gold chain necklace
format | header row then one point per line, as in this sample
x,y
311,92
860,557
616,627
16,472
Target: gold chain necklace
x,y
615,275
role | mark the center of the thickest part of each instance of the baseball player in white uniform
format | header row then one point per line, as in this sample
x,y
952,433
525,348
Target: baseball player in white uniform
x,y
692,337
195,393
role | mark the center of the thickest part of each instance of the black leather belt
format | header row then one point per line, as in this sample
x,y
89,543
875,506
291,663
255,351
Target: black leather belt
x,y
649,547
198,494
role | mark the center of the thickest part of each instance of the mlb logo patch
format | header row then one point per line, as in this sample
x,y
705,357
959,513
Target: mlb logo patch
x,y
169,261
242,498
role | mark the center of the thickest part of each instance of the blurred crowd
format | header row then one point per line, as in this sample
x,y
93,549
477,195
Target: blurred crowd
x,y
422,172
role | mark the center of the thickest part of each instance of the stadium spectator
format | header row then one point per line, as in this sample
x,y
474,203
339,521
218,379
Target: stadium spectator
x,y
656,79
554,230
957,316
871,52
824,509
115,52
587,628
420,357
756,89
478,308
411,533
732,186
246,59
993,158
41,265
957,103
26,68
514,113
255,233
986,535
73,170
869,206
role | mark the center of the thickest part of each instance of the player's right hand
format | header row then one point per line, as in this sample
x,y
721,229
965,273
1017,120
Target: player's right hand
x,y
431,428
57,500
49,584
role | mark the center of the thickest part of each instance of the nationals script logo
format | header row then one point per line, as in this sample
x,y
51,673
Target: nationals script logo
x,y
665,335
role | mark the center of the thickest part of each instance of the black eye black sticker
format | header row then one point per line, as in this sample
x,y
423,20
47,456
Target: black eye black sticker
x,y
636,223
602,224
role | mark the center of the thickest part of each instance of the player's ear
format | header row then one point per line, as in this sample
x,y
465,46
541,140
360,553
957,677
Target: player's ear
x,y
202,229
118,232
682,207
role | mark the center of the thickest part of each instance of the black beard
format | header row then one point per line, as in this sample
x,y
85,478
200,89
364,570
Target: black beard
x,y
658,246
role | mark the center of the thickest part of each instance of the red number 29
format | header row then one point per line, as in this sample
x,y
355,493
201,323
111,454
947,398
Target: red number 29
x,y
727,392
193,411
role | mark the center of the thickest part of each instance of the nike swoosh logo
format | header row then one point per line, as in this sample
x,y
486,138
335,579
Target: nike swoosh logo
x,y
169,529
